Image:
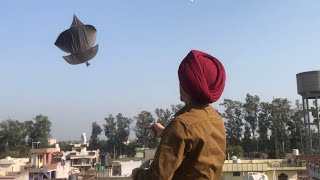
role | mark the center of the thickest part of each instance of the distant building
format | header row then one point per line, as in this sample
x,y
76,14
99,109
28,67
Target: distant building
x,y
13,168
15,176
127,166
51,163
52,142
278,169
40,165
145,154
12,164
81,158
47,163
139,152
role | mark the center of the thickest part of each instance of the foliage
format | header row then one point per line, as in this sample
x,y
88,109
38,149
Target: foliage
x,y
233,116
164,116
280,115
39,130
250,111
117,131
235,151
247,141
263,127
12,138
94,139
176,108
251,126
143,122
16,137
65,145
294,127
110,129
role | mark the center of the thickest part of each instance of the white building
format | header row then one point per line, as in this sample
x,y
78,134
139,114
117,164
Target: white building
x,y
12,164
80,157
13,168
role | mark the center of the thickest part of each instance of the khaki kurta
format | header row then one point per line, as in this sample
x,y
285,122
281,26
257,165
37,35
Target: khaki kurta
x,y
192,147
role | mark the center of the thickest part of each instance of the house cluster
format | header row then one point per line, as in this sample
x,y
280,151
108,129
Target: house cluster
x,y
81,163
50,163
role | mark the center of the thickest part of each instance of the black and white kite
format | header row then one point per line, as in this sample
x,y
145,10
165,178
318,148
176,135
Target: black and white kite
x,y
78,40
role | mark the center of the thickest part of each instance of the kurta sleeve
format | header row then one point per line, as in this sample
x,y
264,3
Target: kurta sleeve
x,y
176,142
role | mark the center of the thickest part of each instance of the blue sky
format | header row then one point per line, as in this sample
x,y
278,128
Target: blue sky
x,y
262,45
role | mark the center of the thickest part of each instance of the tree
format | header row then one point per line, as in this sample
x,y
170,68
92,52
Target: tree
x,y
235,151
94,139
103,146
280,115
143,122
65,145
123,131
263,127
110,129
12,139
233,116
246,141
251,110
117,131
13,135
295,125
176,108
164,116
39,130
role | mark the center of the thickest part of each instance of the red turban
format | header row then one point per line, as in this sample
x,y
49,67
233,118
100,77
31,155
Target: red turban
x,y
202,76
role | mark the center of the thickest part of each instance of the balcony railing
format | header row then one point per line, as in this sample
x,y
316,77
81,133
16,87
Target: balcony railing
x,y
247,167
262,166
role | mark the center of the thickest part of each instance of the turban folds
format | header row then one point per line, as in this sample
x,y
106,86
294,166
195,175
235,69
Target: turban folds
x,y
202,76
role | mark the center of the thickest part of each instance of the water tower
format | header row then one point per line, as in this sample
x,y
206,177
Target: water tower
x,y
308,85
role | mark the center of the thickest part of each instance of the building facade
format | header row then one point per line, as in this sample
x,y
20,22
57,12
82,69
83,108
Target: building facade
x,y
273,169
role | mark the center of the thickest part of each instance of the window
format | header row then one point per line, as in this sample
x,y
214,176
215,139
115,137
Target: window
x,y
236,173
283,176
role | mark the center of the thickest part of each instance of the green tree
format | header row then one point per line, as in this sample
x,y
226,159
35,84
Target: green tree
x,y
164,116
110,129
247,141
13,139
176,108
117,131
295,125
103,146
251,111
235,151
143,122
39,130
65,145
94,139
123,132
131,151
280,115
263,127
233,121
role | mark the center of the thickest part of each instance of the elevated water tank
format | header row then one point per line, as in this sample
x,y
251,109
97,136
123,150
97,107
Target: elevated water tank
x,y
295,152
234,159
308,84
